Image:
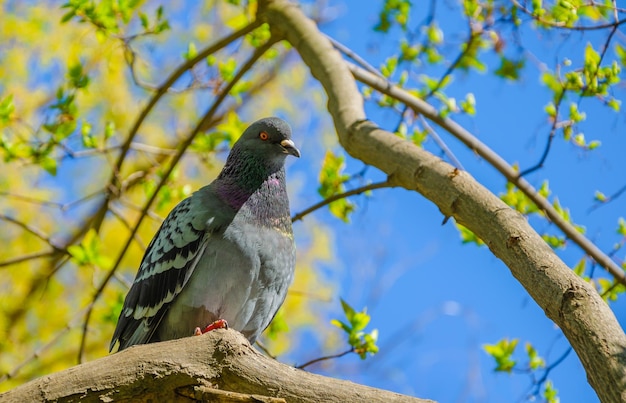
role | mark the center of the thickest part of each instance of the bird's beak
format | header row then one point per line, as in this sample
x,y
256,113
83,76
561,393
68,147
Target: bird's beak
x,y
290,148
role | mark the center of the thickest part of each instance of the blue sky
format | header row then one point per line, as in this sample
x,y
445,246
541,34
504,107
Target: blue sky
x,y
434,300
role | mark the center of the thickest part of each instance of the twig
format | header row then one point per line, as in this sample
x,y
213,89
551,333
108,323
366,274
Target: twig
x,y
558,105
353,55
24,258
608,199
265,350
328,357
474,34
180,152
127,203
441,143
546,150
152,149
429,112
49,203
30,229
127,225
536,386
357,191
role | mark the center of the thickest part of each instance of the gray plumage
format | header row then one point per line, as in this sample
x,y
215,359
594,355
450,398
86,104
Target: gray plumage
x,y
226,252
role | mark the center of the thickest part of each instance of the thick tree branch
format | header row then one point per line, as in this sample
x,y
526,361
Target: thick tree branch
x,y
497,162
586,320
221,362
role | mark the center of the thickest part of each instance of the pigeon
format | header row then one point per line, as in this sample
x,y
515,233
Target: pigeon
x,y
225,255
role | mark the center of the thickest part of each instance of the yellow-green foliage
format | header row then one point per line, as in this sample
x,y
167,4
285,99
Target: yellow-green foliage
x,y
68,101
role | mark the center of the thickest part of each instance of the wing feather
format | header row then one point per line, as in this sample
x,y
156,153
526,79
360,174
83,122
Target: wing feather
x,y
167,265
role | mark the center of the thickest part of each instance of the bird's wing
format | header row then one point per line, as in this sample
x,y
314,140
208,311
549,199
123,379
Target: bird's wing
x,y
169,261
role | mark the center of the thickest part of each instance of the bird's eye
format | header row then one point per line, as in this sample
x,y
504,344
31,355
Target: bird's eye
x,y
264,136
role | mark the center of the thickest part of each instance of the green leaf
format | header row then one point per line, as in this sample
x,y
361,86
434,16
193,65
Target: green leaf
x,y
468,105
408,52
550,110
145,23
389,67
502,353
332,181
191,51
109,129
467,236
550,393
575,115
277,326
49,164
614,104
363,343
394,11
88,252
555,241
89,141
7,107
509,68
593,144
534,360
227,69
580,267
621,226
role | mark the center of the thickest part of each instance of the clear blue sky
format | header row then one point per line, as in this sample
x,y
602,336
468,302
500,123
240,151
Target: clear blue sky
x,y
434,300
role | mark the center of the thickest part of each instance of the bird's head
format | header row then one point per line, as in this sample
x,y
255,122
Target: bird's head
x,y
268,139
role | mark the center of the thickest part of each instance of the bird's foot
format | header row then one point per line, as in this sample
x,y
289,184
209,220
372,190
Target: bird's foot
x,y
218,324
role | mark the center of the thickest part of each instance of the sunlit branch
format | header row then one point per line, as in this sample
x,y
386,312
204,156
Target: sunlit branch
x,y
353,192
165,176
328,357
429,112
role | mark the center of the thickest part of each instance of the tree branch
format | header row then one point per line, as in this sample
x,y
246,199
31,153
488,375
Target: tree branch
x,y
497,162
353,192
572,303
221,362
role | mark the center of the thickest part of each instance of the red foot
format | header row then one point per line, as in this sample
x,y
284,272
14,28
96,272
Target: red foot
x,y
218,324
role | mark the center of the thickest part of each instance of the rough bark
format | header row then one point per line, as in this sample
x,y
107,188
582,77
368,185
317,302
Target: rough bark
x,y
586,320
220,366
